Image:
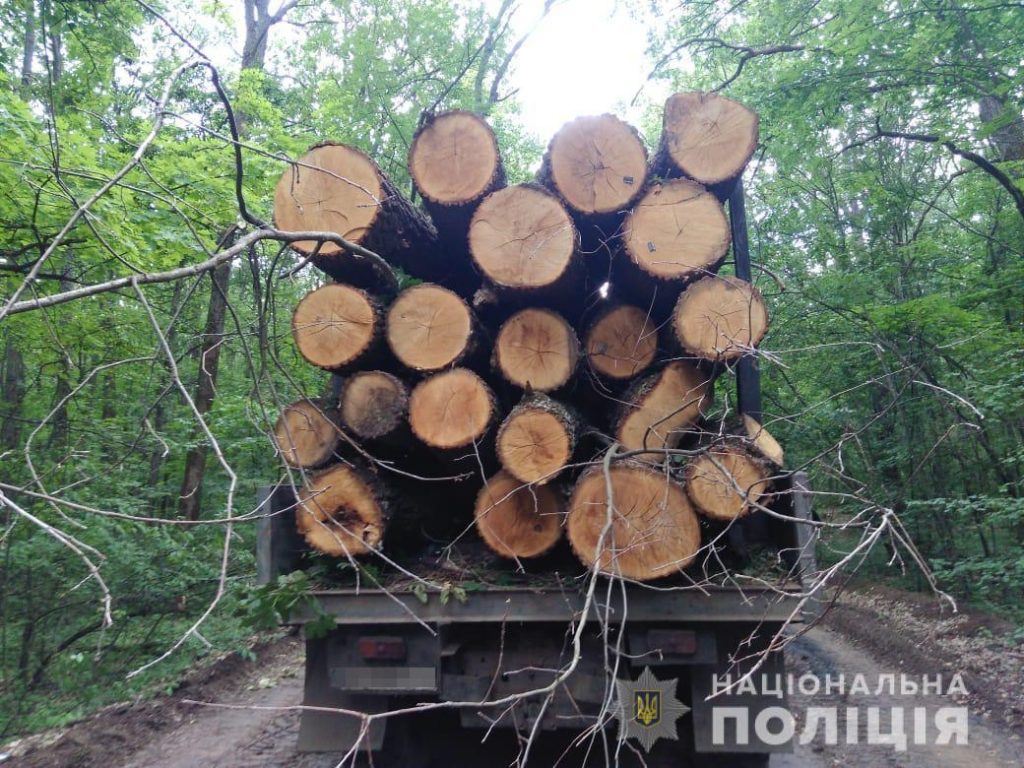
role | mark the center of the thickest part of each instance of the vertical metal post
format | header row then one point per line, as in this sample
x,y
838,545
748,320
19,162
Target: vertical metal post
x,y
748,374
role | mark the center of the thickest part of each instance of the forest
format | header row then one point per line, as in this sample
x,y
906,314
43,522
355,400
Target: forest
x,y
145,323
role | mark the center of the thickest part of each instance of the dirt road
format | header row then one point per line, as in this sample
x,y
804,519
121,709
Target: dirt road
x,y
262,732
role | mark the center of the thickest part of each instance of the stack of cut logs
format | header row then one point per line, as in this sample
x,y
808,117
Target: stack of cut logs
x,y
554,345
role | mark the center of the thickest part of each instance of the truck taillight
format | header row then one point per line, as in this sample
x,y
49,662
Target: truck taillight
x,y
382,648
673,642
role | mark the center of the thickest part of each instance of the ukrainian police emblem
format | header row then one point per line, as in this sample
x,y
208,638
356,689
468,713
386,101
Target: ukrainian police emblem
x,y
648,709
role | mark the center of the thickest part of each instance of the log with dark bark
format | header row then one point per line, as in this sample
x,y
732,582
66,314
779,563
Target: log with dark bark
x,y
596,165
676,231
536,349
454,161
537,439
374,406
621,342
705,137
724,481
430,328
649,527
720,318
337,188
657,410
307,434
336,325
451,410
517,520
342,511
523,241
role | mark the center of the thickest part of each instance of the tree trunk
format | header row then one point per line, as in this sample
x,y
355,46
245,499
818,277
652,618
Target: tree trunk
x,y
596,165
28,47
306,433
537,439
342,511
536,350
517,520
336,326
523,241
206,389
705,137
451,410
653,530
657,410
455,163
621,342
14,393
720,318
346,192
430,328
374,407
725,481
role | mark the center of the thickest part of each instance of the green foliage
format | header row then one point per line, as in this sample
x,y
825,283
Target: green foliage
x,y
269,605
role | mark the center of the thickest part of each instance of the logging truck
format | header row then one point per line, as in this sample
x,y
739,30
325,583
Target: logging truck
x,y
540,394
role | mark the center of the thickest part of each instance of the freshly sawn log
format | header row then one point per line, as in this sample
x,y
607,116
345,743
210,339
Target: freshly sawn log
x,y
720,318
306,433
724,481
429,328
705,137
374,405
537,439
649,527
622,342
657,409
336,325
451,409
337,188
517,520
536,349
342,512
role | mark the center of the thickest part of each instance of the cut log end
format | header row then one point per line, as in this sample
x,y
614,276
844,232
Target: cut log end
x,y
332,188
723,482
451,409
335,325
516,520
537,440
373,404
306,434
660,408
763,442
597,164
707,137
622,342
677,230
654,531
429,328
454,159
537,349
720,318
522,238
340,513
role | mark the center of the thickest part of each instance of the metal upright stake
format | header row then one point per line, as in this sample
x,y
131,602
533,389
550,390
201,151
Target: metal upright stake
x,y
748,374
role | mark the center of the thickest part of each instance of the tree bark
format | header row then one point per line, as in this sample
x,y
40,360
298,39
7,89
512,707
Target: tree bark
x,y
14,393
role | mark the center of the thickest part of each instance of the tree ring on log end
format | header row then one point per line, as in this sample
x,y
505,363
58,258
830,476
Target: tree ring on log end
x,y
597,164
723,482
339,513
521,237
306,434
454,159
451,409
622,342
654,531
429,327
708,137
534,444
678,229
537,349
334,325
662,406
340,193
517,520
720,318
